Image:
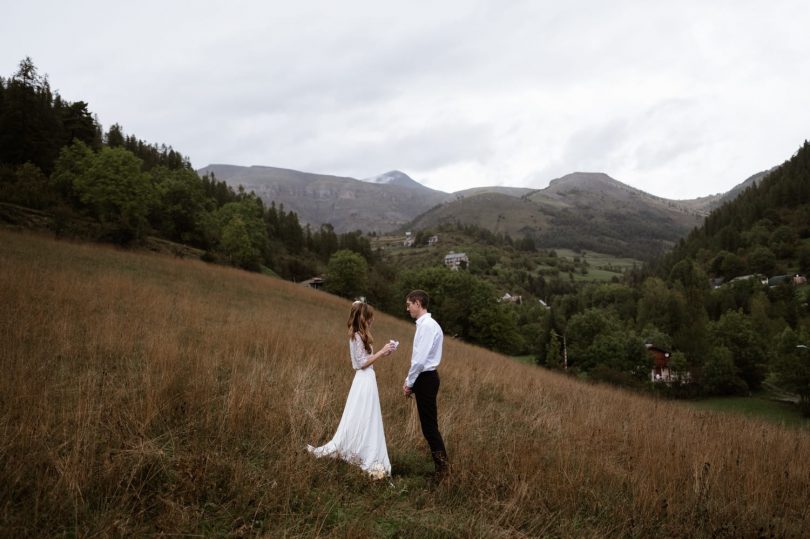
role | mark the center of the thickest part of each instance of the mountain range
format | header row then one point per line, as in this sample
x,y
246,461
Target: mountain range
x,y
579,210
383,204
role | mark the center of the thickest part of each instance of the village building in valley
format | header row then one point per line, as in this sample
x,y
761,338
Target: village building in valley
x,y
662,371
454,261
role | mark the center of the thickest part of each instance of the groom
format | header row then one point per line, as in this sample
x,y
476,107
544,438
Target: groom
x,y
423,378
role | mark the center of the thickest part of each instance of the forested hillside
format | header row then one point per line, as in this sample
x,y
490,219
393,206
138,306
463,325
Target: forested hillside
x,y
729,303
763,230
108,186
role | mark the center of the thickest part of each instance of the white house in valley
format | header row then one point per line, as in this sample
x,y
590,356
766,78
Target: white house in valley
x,y
455,260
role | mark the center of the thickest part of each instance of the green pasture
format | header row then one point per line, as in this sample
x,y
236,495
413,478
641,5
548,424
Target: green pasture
x,y
759,405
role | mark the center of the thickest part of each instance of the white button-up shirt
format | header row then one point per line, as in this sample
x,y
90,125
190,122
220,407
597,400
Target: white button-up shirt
x,y
427,348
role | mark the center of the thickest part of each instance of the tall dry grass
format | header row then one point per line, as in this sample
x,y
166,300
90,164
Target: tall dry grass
x,y
143,395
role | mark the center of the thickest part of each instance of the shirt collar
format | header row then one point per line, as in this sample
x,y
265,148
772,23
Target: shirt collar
x,y
423,318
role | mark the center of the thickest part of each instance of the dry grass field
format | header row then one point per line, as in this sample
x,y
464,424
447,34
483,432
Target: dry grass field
x,y
144,395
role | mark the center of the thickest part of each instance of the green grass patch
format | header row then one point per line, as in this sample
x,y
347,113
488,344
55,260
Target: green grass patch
x,y
596,275
269,272
599,260
758,406
528,359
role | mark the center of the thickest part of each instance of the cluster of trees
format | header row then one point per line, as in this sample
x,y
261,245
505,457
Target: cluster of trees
x,y
468,308
35,122
722,339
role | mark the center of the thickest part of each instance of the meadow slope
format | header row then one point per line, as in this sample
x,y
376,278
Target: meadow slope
x,y
148,395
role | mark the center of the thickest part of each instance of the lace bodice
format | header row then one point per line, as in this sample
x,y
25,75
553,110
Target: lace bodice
x,y
358,352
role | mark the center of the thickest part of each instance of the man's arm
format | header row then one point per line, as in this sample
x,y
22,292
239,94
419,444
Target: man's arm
x,y
418,356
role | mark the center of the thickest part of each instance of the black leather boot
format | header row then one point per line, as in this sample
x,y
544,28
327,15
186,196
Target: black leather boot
x,y
442,465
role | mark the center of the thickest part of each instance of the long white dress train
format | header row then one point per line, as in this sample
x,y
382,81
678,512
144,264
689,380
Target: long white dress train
x,y
360,438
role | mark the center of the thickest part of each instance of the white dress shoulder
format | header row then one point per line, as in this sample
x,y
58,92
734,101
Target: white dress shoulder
x,y
360,438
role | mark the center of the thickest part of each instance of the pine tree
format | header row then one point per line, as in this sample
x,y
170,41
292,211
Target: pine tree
x,y
29,128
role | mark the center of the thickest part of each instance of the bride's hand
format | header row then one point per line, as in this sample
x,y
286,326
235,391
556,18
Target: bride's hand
x,y
387,349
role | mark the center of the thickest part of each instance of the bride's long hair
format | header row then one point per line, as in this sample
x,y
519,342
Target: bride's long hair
x,y
360,318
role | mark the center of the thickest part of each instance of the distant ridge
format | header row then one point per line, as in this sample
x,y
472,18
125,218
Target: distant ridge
x,y
588,210
583,210
345,203
705,205
500,189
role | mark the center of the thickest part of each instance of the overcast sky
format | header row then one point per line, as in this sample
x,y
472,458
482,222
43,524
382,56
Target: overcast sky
x,y
679,99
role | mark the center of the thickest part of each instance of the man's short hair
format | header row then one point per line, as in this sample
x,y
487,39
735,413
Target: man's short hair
x,y
419,296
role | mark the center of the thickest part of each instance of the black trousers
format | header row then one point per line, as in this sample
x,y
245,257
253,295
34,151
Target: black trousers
x,y
425,389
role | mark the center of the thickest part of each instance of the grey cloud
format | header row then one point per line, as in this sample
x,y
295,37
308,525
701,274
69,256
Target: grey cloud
x,y
359,87
593,149
425,149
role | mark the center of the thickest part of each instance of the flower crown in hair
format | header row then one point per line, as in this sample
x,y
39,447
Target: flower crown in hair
x,y
362,299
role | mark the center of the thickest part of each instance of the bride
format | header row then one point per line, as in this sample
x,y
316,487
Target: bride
x,y
360,438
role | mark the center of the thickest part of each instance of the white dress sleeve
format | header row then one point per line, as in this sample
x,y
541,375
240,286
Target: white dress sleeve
x,y
358,352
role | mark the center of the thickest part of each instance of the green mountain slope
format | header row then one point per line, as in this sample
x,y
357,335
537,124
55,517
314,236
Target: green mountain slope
x,y
578,211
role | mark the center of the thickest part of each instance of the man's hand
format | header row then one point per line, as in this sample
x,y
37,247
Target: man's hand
x,y
407,391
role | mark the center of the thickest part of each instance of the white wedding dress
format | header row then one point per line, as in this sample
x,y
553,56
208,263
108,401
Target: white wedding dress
x,y
360,438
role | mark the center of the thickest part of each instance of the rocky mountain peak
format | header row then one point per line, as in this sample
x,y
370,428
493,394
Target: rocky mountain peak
x,y
395,177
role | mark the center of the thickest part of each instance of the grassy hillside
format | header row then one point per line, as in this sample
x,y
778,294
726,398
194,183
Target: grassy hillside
x,y
579,211
503,265
150,395
497,212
